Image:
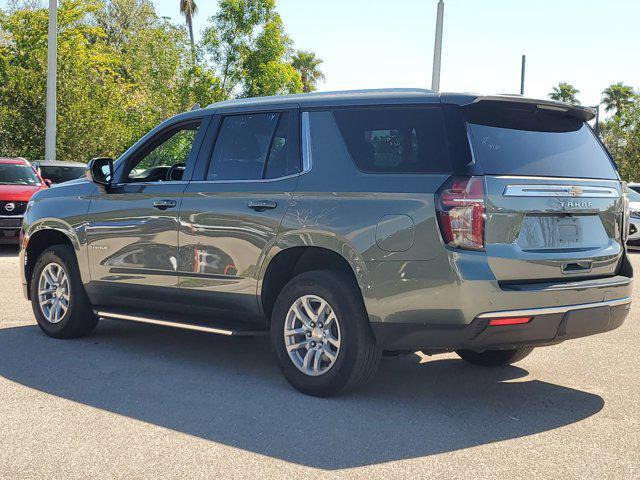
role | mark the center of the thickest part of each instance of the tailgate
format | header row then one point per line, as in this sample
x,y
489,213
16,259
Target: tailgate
x,y
555,203
548,229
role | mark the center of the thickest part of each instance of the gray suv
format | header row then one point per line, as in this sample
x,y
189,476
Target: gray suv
x,y
346,226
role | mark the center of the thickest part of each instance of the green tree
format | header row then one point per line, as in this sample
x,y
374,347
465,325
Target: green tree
x,y
617,97
565,92
122,70
189,9
266,69
249,49
621,134
307,64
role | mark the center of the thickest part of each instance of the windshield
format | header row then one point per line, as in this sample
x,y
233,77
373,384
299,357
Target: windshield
x,y
527,143
59,174
17,174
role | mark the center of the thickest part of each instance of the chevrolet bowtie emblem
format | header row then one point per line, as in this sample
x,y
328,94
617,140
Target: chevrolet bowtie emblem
x,y
576,191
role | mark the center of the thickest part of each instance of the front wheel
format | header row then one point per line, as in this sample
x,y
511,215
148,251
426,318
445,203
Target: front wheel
x,y
58,298
321,334
494,358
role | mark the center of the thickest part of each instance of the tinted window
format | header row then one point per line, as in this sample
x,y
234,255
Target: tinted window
x,y
281,161
59,174
252,147
395,140
537,144
174,151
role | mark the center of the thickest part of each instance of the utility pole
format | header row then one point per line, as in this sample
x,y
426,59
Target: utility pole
x,y
524,63
437,52
52,70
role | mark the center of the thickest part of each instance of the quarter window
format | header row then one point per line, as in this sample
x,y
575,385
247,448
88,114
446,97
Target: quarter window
x,y
395,139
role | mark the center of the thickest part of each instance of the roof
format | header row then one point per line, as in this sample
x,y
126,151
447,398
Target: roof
x,y
57,163
14,160
348,97
394,96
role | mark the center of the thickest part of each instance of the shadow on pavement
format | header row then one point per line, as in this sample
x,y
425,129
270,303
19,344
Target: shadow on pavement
x,y
8,250
229,390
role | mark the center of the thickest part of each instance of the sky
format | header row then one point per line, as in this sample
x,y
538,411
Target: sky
x,y
374,43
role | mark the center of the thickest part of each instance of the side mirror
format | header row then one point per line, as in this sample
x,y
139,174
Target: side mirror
x,y
100,171
48,182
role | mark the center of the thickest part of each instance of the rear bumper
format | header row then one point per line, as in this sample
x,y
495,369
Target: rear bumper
x,y
548,326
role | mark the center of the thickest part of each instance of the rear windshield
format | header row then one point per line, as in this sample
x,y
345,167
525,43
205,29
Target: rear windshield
x,y
395,139
537,144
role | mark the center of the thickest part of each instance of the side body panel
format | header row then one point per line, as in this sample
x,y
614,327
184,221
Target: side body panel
x,y
223,241
132,231
363,217
132,246
225,234
64,209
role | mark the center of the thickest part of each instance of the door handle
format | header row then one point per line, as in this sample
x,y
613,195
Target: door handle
x,y
261,205
164,204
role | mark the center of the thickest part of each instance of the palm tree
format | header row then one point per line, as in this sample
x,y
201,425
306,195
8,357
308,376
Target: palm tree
x,y
565,92
189,9
617,97
307,64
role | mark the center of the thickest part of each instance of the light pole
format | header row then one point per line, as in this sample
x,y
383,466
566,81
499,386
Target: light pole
x,y
522,72
437,51
52,69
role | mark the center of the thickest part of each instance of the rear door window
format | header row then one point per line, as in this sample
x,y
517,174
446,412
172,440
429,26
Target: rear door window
x,y
253,147
514,142
395,139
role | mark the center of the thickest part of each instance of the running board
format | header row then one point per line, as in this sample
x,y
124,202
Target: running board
x,y
185,326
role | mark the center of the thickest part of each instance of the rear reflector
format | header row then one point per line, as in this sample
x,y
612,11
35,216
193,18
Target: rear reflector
x,y
498,322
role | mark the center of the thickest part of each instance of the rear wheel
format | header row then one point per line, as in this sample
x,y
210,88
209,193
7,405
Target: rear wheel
x,y
494,358
321,334
58,298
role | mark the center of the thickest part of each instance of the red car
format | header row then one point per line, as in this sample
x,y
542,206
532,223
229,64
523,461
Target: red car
x,y
18,182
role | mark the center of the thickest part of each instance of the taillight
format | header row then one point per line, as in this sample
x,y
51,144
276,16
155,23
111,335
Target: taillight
x,y
460,204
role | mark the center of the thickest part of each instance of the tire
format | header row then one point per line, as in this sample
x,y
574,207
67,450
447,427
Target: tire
x,y
355,354
78,319
494,358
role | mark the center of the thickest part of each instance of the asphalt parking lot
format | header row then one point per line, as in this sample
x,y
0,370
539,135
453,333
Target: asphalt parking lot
x,y
135,401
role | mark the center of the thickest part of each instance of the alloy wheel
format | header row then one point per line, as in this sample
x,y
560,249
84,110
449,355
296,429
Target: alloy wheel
x,y
312,335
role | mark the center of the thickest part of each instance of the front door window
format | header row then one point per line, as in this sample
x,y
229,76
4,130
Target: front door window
x,y
167,160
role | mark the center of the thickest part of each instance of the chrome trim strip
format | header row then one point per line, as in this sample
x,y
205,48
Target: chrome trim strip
x,y
572,191
553,310
164,323
306,143
258,180
562,179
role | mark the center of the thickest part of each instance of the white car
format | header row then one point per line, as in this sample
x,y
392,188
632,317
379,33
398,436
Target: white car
x,y
634,186
634,211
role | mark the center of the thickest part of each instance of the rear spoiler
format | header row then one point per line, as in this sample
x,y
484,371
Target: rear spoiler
x,y
582,113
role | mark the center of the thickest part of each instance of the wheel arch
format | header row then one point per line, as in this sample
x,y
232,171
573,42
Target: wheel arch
x,y
42,236
317,252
